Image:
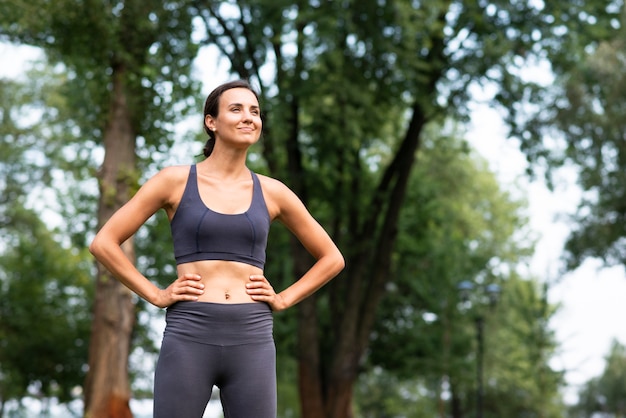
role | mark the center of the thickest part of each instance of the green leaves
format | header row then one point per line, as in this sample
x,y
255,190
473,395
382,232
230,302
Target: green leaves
x,y
45,314
589,116
459,224
340,83
605,394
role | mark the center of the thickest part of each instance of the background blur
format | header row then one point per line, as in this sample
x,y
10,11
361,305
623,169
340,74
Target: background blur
x,y
467,157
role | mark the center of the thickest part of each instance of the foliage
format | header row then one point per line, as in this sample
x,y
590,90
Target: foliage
x,y
439,374
383,394
128,66
33,129
592,121
604,395
458,224
45,311
83,43
91,38
577,120
521,346
47,179
563,34
348,88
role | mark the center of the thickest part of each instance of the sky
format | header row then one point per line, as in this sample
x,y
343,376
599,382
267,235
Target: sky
x,y
591,298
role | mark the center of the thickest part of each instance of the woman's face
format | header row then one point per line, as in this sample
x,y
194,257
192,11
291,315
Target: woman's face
x,y
239,118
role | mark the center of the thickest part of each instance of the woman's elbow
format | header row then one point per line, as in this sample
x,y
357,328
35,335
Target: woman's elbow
x,y
93,247
339,262
96,247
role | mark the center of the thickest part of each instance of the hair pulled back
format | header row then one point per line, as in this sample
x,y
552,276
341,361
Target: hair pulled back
x,y
212,106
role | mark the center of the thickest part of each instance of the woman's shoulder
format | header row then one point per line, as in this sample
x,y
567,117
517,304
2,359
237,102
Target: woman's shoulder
x,y
272,185
167,180
176,170
166,185
173,173
278,196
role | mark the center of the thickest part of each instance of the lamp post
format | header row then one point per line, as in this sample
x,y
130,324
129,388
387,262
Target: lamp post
x,y
471,296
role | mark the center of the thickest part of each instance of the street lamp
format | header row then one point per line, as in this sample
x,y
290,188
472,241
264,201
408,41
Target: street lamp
x,y
470,296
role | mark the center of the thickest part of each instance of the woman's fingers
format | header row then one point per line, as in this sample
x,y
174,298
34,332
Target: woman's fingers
x,y
189,284
260,290
259,286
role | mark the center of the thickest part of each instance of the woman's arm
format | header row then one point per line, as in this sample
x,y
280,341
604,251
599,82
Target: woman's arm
x,y
287,208
156,193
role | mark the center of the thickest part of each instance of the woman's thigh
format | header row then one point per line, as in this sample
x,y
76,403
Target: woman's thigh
x,y
249,387
184,378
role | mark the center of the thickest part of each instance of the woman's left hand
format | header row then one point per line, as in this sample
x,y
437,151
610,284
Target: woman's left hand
x,y
260,290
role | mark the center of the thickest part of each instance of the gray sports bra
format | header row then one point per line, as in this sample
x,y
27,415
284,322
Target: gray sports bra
x,y
202,234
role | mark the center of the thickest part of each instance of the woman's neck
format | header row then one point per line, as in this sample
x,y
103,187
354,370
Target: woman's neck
x,y
227,166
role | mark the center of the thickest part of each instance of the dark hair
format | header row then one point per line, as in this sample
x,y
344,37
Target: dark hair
x,y
212,105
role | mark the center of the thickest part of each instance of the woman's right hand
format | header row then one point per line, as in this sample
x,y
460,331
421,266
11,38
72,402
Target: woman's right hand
x,y
186,287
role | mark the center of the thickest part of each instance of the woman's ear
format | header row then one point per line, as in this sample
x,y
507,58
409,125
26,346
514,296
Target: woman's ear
x,y
209,122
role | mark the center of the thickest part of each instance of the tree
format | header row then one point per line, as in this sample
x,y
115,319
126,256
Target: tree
x,y
591,118
127,63
43,277
457,225
578,122
44,315
522,347
348,88
605,394
429,372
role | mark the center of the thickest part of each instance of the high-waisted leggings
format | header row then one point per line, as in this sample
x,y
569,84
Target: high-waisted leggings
x,y
230,346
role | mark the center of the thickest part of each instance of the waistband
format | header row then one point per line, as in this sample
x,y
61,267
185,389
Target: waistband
x,y
221,324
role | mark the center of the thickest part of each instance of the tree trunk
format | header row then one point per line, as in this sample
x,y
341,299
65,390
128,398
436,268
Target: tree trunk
x,y
107,387
340,393
364,288
320,395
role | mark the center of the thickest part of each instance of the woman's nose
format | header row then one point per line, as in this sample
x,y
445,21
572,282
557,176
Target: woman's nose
x,y
247,116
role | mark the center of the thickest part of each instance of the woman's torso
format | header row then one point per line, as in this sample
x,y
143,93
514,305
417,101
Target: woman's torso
x,y
224,280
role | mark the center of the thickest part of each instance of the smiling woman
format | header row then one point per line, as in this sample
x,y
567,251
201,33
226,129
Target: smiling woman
x,y
234,109
220,214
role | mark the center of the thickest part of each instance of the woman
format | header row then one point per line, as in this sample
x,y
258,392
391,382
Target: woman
x,y
219,309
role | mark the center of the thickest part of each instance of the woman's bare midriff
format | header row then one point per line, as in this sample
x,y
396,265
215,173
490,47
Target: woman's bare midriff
x,y
224,281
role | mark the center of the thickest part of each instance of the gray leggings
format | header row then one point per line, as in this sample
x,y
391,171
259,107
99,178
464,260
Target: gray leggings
x,y
230,346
